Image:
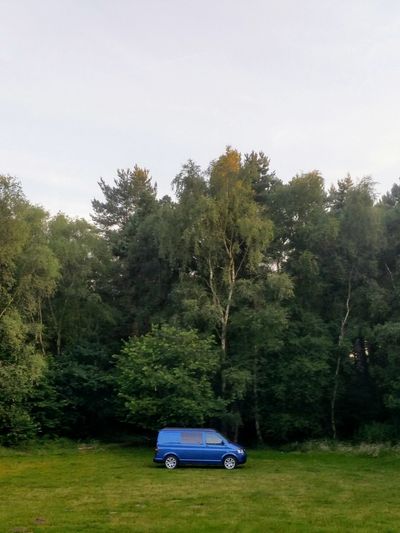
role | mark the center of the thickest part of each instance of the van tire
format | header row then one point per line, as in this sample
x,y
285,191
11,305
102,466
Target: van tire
x,y
171,462
229,462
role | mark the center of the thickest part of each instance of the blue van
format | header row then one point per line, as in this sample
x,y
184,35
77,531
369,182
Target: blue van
x,y
177,446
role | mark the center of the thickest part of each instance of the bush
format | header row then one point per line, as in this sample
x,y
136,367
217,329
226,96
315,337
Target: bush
x,y
16,426
165,378
378,432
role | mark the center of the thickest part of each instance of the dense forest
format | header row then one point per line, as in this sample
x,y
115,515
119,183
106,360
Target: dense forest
x,y
267,309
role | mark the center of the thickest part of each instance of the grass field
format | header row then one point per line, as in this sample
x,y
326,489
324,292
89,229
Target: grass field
x,y
109,488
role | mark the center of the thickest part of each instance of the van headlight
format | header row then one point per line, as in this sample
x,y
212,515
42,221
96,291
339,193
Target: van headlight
x,y
240,450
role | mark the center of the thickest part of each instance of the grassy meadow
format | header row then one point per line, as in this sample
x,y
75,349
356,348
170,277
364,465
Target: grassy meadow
x,y
76,488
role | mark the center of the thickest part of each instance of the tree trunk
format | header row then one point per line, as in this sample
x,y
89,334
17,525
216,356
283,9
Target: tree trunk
x,y
41,342
8,305
256,406
236,433
57,327
224,328
58,342
339,359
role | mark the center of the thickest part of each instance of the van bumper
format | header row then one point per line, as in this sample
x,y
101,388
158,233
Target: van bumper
x,y
241,459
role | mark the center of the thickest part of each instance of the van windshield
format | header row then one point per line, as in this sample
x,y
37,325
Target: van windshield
x,y
214,438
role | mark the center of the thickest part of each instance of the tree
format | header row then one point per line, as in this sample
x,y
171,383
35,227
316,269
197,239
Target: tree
x,y
132,191
226,239
28,275
165,378
130,219
259,323
386,368
256,171
354,262
79,307
80,319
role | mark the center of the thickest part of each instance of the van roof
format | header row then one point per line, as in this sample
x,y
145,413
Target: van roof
x,y
188,429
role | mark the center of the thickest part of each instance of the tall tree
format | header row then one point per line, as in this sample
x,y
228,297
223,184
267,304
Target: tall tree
x,y
259,323
355,262
132,191
28,275
81,307
131,217
225,240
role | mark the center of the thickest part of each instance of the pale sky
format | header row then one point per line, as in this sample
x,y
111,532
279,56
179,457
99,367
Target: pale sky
x,y
89,86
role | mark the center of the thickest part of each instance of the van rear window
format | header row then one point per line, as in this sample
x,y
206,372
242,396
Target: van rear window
x,y
191,437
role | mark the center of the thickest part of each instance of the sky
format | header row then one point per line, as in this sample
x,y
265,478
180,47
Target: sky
x,y
90,86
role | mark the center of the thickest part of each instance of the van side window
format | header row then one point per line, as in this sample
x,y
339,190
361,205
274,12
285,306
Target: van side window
x,y
213,438
168,437
191,437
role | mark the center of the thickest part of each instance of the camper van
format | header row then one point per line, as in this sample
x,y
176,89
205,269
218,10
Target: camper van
x,y
197,446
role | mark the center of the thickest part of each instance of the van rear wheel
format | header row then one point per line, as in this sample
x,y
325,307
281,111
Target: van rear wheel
x,y
171,462
230,462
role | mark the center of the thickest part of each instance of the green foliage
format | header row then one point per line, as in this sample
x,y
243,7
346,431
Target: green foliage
x,y
85,380
386,364
165,378
132,191
297,378
131,220
378,432
298,287
28,274
79,308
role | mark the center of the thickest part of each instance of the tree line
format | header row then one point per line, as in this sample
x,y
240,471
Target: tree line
x,y
267,309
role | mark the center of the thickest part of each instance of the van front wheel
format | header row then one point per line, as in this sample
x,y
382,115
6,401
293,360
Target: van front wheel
x,y
171,462
230,462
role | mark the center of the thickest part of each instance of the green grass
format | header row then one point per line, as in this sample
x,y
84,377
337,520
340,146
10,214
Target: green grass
x,y
109,488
